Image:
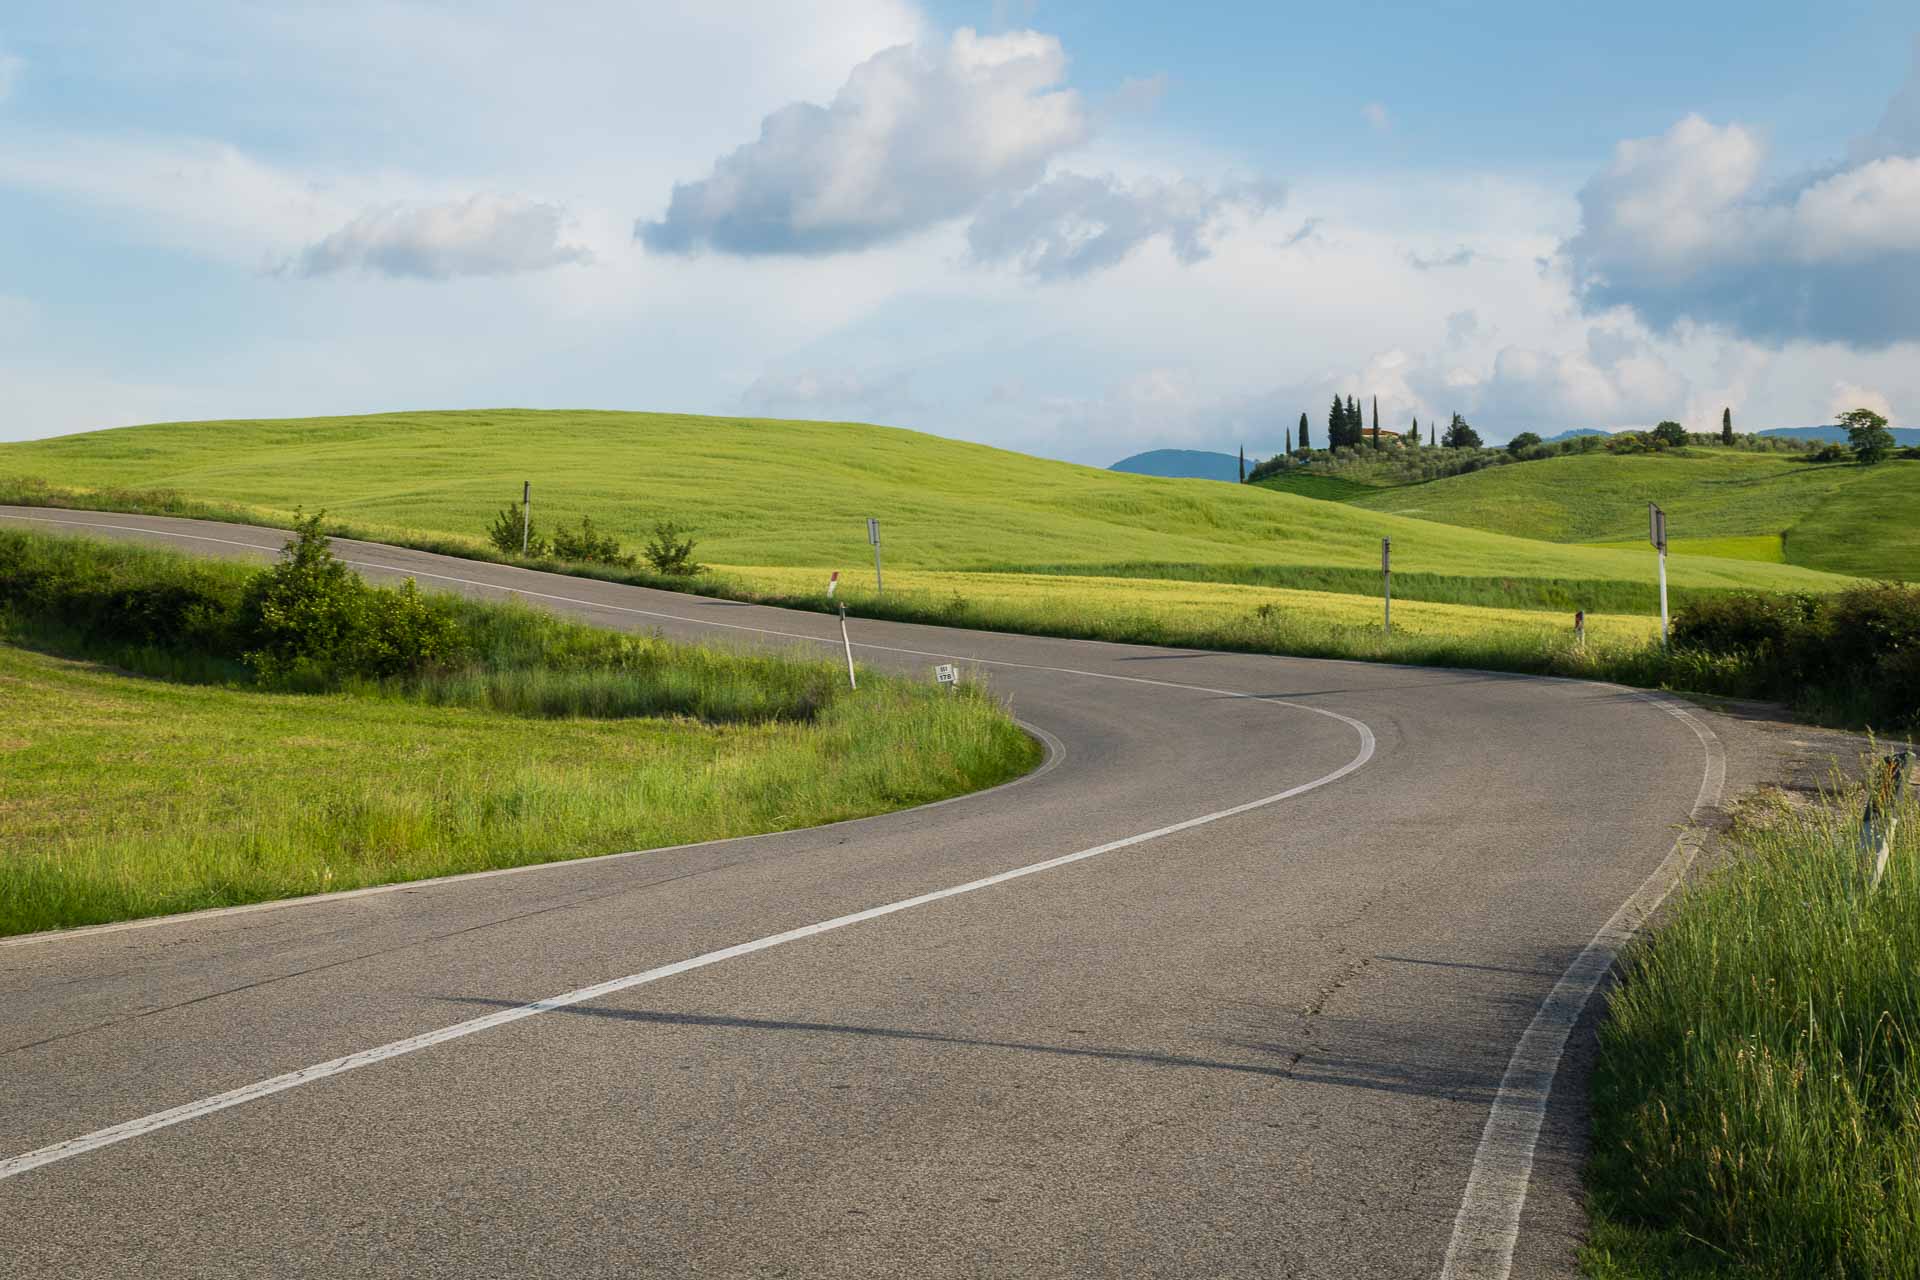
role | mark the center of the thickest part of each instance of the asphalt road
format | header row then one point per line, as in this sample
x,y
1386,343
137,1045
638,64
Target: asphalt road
x,y
1265,1044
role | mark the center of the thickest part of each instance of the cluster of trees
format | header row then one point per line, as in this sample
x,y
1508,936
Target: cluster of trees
x,y
1352,443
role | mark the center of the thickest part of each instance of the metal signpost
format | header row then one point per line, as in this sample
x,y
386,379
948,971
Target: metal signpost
x,y
526,514
1386,577
1657,535
947,674
873,536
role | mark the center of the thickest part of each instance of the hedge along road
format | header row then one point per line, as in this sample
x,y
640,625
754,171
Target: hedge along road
x,y
1233,987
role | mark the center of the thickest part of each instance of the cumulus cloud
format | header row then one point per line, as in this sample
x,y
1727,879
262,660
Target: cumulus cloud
x,y
480,236
1683,227
1073,224
919,134
1848,396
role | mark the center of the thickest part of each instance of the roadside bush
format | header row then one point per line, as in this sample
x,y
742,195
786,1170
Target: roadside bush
x,y
510,528
119,606
587,545
670,551
311,622
1830,453
1857,652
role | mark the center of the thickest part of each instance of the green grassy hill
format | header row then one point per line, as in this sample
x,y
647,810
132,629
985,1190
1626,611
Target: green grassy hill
x,y
1842,518
780,493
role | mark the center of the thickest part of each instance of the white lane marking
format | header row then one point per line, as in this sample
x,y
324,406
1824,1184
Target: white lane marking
x,y
1488,1224
367,1057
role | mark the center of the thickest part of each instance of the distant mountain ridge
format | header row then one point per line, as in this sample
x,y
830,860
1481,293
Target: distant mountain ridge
x,y
1902,436
1183,464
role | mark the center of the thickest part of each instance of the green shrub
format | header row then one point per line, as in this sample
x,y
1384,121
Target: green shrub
x,y
1856,651
670,551
588,546
512,533
310,621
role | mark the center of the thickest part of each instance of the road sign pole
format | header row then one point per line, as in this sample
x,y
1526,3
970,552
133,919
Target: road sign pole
x,y
873,536
1386,578
851,682
1664,642
1657,535
526,514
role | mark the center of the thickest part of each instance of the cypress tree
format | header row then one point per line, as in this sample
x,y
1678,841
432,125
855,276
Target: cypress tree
x,y
1336,424
1726,426
1243,464
1289,452
1304,442
1431,437
1356,423
1413,437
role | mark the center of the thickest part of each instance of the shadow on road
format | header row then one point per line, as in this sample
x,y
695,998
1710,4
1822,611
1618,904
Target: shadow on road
x,y
1412,1070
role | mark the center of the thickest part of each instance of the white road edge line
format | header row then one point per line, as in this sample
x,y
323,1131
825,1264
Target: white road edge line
x,y
367,1057
1488,1224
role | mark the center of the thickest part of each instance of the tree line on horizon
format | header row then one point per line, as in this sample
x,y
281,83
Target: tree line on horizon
x,y
1349,435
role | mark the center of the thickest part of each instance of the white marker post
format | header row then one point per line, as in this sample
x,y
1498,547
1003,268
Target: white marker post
x,y
833,584
526,514
1386,577
873,536
947,674
1657,535
851,682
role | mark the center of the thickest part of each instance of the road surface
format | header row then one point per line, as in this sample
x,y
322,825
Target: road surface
x,y
1318,931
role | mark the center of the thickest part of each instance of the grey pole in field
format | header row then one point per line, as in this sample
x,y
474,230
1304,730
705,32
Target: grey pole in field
x,y
526,513
1657,535
1386,578
873,536
851,682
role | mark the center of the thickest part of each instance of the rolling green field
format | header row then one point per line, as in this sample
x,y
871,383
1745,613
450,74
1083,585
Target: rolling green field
x,y
797,494
1838,517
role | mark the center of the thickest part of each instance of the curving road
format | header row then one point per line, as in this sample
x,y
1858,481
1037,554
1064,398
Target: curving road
x,y
1266,973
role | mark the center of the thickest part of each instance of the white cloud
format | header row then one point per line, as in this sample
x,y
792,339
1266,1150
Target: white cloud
x,y
1072,224
1848,397
1375,114
917,135
483,235
1682,226
193,193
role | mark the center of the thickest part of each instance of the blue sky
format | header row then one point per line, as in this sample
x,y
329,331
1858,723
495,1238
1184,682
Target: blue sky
x,y
1070,228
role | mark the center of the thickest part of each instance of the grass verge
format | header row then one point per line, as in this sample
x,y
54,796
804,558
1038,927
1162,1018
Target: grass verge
x,y
125,794
1757,1097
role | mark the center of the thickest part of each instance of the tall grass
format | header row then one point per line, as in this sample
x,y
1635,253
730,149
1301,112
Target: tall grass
x,y
123,797
1757,1096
